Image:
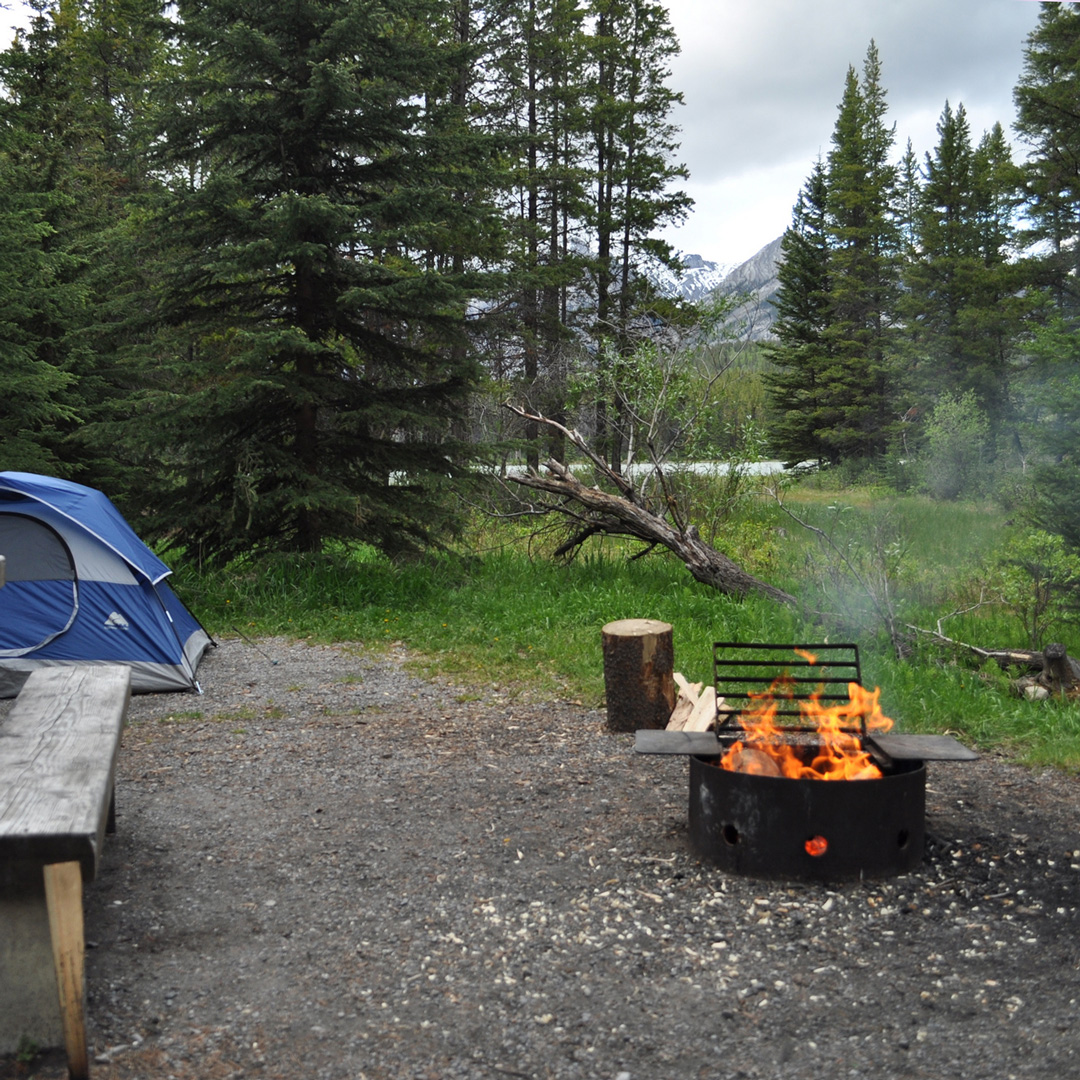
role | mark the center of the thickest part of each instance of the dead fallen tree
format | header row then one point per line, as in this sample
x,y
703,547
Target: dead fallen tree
x,y
593,511
1050,671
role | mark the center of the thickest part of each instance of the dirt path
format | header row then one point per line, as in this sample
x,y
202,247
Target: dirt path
x,y
327,869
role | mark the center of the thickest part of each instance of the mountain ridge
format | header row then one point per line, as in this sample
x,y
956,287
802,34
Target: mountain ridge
x,y
756,279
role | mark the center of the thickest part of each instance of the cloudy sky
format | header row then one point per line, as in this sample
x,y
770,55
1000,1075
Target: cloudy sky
x,y
762,80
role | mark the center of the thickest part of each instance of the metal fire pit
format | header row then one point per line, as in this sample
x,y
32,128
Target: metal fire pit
x,y
778,827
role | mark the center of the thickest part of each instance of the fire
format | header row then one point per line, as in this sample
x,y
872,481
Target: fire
x,y
835,753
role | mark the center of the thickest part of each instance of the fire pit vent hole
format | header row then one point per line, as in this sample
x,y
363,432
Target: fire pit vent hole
x,y
730,835
902,839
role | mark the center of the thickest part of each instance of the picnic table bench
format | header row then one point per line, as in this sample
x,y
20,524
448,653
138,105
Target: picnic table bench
x,y
58,751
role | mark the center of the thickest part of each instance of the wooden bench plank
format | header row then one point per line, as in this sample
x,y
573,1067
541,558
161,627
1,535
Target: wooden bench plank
x,y
58,751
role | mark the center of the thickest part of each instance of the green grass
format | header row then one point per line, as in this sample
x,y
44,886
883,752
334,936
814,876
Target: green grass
x,y
504,619
512,618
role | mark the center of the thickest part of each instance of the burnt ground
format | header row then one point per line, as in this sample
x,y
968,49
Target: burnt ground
x,y
326,868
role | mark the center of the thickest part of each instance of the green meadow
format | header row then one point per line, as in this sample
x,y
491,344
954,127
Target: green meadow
x,y
895,574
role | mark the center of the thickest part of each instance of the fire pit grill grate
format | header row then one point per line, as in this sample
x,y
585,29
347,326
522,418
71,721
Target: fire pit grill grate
x,y
743,671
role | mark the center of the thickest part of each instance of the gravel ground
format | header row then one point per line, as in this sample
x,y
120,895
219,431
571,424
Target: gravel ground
x,y
326,868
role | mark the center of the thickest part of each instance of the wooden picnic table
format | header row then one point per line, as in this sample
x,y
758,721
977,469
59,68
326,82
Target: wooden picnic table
x,y
58,751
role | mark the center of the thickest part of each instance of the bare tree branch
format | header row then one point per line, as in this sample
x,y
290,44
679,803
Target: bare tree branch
x,y
625,514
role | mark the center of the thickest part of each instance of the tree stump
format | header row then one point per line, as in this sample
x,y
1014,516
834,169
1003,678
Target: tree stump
x,y
1056,670
639,662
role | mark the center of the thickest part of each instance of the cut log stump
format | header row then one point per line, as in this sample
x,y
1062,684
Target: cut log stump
x,y
1056,669
639,661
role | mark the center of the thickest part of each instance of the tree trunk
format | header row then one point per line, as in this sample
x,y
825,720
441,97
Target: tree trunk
x,y
639,662
623,515
619,516
1057,672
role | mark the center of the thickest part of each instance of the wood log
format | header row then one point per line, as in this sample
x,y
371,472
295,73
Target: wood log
x,y
703,717
1057,672
1053,665
625,514
639,662
684,704
755,762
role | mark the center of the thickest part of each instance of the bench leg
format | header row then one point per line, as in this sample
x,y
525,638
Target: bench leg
x,y
63,897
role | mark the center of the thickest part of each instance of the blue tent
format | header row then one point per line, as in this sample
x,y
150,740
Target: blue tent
x,y
83,588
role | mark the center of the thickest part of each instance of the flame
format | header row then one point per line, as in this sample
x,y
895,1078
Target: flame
x,y
837,752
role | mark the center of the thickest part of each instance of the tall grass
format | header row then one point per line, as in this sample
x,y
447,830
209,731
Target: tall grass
x,y
512,617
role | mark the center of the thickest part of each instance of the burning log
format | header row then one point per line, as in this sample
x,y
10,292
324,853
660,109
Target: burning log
x,y
754,762
836,752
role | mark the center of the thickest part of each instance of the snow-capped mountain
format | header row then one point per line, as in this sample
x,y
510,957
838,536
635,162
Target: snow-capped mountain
x,y
756,279
699,278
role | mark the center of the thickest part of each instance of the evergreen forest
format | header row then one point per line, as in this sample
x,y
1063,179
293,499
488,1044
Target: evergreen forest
x,y
268,272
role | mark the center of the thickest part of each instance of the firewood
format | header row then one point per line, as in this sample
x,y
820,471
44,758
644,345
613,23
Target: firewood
x,y
704,715
683,683
755,762
684,705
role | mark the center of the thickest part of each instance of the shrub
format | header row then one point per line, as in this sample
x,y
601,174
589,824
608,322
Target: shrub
x,y
1037,578
955,461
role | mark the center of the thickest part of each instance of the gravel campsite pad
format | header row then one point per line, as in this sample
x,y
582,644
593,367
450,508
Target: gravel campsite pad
x,y
327,868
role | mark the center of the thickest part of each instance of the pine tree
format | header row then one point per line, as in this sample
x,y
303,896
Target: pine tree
x,y
579,92
798,357
37,398
1048,103
857,405
46,184
316,358
999,304
74,84
958,306
636,192
1048,118
939,276
539,58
